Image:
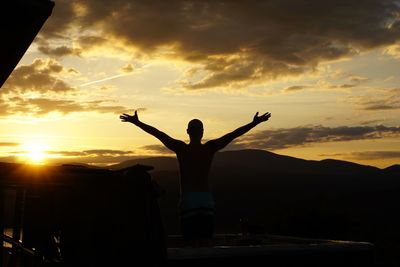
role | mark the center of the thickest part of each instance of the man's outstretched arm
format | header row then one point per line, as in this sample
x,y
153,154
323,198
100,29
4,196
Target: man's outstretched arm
x,y
220,143
168,141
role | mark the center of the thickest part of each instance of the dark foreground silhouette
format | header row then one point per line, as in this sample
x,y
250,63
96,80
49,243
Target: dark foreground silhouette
x,y
195,158
112,216
283,195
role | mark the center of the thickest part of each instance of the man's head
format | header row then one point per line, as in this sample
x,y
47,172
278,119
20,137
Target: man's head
x,y
195,130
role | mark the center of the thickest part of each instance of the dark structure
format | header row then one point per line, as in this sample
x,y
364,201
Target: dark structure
x,y
20,22
271,250
76,216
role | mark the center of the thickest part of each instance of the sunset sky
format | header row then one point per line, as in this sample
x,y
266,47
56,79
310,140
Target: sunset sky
x,y
328,71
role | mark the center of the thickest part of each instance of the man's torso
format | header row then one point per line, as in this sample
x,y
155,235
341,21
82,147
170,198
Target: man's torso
x,y
194,166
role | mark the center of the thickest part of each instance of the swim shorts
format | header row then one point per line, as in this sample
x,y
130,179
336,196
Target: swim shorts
x,y
197,215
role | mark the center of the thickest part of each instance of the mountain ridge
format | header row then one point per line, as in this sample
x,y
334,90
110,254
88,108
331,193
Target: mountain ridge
x,y
245,155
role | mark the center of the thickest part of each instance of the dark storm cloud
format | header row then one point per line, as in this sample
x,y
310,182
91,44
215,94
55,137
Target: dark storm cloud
x,y
300,136
236,42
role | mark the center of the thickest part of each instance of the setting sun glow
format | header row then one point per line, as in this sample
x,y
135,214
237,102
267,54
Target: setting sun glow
x,y
35,153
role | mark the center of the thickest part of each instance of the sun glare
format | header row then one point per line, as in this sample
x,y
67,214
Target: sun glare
x,y
35,153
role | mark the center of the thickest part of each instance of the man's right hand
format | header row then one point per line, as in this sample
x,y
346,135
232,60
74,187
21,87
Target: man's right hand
x,y
258,119
128,118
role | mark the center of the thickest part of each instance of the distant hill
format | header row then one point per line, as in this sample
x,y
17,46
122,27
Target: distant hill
x,y
394,168
265,163
83,165
252,158
159,163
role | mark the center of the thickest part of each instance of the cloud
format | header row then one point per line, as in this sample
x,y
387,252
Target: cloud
x,y
393,50
59,51
156,149
300,136
92,153
60,21
373,155
41,76
9,144
43,106
235,42
325,85
103,45
295,88
384,99
37,89
366,155
357,78
11,159
128,68
92,42
54,49
92,156
371,121
343,86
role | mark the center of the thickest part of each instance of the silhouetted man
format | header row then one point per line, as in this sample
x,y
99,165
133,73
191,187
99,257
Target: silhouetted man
x,y
196,203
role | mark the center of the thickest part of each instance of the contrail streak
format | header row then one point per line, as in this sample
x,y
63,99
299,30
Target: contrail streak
x,y
115,76
103,80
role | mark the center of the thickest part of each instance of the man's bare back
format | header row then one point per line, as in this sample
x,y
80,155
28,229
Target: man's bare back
x,y
194,166
195,158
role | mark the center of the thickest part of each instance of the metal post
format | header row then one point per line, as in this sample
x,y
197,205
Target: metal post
x,y
17,224
19,213
1,224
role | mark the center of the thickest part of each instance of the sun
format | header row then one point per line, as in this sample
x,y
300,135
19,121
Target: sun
x,y
35,153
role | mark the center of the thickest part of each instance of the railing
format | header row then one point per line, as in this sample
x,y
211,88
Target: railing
x,y
79,217
15,251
